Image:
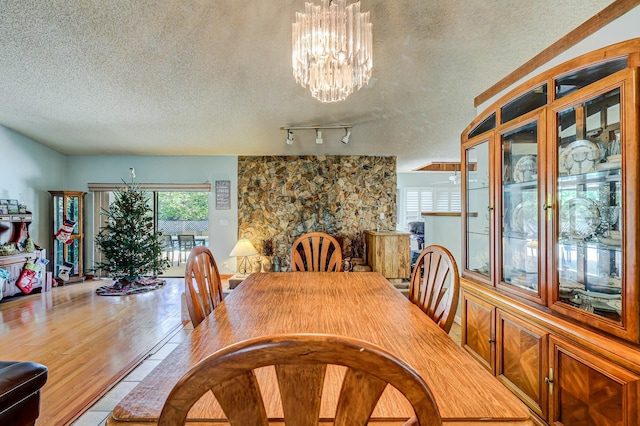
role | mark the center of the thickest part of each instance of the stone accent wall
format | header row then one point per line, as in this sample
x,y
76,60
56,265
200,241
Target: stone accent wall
x,y
283,197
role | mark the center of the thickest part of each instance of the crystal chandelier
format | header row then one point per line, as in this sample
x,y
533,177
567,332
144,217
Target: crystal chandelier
x,y
332,47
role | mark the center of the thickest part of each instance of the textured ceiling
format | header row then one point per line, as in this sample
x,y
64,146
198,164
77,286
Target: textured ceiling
x,y
198,77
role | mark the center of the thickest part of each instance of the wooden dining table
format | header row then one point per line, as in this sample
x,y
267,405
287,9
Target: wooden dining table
x,y
359,305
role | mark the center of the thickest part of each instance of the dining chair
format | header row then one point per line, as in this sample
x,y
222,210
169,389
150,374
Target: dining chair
x,y
167,247
186,243
435,285
300,362
203,287
316,252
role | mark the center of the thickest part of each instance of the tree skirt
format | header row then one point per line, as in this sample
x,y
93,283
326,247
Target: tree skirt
x,y
140,286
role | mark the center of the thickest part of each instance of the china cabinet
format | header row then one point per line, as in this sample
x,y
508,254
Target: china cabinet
x,y
551,291
67,238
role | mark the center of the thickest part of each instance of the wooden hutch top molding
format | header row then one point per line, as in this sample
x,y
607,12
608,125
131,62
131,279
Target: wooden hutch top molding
x,y
628,48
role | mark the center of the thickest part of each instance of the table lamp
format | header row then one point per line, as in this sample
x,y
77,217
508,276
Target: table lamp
x,y
243,249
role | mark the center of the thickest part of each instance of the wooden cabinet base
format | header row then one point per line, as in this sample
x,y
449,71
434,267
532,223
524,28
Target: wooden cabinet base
x,y
389,252
565,373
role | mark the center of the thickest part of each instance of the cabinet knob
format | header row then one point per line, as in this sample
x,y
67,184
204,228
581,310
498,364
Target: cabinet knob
x,y
548,380
489,208
547,206
492,340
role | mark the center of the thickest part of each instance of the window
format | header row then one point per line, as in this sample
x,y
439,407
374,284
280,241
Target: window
x,y
428,199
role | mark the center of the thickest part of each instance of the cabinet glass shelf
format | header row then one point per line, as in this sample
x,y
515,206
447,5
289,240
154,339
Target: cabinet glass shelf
x,y
613,245
520,186
613,175
486,234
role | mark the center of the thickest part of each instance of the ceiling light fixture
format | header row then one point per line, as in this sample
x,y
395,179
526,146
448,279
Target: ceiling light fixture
x,y
332,49
319,139
347,135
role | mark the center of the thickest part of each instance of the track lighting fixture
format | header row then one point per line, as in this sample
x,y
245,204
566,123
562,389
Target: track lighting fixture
x,y
347,135
319,139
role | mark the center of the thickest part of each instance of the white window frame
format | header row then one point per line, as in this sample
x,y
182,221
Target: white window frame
x,y
443,199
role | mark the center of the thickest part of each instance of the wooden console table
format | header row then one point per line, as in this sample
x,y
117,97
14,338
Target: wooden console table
x,y
389,252
15,264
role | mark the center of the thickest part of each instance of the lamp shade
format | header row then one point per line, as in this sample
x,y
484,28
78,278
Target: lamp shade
x,y
243,248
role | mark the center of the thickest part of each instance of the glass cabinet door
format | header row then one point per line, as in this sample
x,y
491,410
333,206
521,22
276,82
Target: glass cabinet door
x,y
519,258
589,236
477,209
67,254
73,210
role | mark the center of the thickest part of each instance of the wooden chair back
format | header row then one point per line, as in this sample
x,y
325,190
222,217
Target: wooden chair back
x,y
203,287
435,267
300,362
316,252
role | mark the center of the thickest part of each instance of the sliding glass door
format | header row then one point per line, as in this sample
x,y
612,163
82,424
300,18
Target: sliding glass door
x,y
181,216
183,219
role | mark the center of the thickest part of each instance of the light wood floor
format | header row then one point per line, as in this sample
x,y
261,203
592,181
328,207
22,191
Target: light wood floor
x,y
88,342
91,342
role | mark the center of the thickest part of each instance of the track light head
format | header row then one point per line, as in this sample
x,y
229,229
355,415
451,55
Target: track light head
x,y
347,135
318,128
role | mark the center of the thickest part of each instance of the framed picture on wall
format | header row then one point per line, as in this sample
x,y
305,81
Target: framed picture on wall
x,y
4,208
13,207
223,195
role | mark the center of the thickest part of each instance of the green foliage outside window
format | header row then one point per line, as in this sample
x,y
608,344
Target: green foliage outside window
x,y
183,205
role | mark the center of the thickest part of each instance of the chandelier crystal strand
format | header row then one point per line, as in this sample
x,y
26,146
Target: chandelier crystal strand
x,y
332,49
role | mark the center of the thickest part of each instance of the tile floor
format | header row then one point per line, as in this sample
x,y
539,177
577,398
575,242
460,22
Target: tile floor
x,y
98,413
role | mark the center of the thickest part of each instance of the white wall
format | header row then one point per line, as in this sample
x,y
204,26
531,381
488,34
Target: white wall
x,y
223,224
27,171
443,230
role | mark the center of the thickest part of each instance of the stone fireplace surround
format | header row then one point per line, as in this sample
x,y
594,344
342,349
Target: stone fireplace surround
x,y
283,197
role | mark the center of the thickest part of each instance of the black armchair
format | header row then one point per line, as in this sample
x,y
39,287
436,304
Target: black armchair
x,y
20,384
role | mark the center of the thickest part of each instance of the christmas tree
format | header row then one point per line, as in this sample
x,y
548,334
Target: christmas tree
x,y
131,249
